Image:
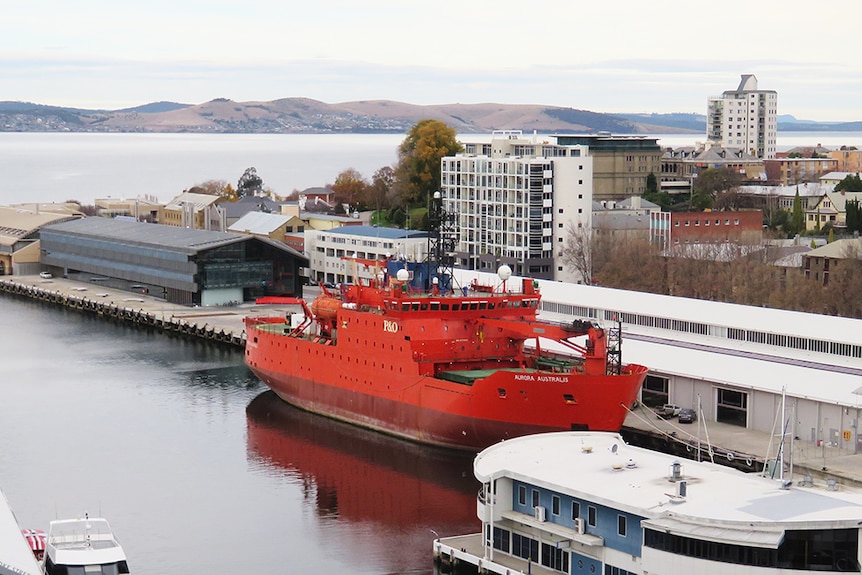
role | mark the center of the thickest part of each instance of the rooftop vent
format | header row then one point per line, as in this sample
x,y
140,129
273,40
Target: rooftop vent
x,y
676,471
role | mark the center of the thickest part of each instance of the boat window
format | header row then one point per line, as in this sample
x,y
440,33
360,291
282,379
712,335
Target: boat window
x,y
444,306
483,305
435,305
405,306
455,307
474,306
424,307
491,305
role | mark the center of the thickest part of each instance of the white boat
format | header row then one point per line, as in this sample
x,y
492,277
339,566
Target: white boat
x,y
585,503
16,557
79,546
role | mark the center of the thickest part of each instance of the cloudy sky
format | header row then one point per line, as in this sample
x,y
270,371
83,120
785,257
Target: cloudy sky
x,y
607,56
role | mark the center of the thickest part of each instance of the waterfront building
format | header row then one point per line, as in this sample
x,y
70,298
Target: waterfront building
x,y
745,118
685,163
272,226
586,503
736,362
19,237
351,253
181,265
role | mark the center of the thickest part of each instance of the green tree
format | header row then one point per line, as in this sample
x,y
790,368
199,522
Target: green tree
x,y
797,220
850,183
380,191
651,184
710,183
853,216
249,184
418,169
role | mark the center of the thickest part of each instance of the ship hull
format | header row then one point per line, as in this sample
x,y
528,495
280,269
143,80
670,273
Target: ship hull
x,y
503,405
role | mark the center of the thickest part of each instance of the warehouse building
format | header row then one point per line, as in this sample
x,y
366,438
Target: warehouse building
x,y
182,265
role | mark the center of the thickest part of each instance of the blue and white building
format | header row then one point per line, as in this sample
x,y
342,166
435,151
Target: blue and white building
x,y
585,503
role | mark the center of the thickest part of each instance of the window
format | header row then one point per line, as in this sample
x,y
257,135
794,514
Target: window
x,y
591,516
621,525
522,495
555,505
535,498
576,510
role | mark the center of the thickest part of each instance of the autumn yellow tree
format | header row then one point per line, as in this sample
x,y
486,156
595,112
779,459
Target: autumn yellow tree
x,y
418,169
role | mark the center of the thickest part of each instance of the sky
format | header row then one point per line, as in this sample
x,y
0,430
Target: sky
x,y
610,56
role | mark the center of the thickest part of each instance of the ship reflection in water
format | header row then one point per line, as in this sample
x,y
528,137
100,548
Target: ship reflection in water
x,y
376,499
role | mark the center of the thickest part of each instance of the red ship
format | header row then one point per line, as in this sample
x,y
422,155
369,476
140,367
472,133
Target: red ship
x,y
457,368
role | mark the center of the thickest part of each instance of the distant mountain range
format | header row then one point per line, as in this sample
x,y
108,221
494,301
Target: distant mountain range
x,y
303,115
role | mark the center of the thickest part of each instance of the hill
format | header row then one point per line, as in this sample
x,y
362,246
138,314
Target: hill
x,y
304,115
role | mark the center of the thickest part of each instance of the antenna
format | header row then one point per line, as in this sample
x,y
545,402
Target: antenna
x,y
442,238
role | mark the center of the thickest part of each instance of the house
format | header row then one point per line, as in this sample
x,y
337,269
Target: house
x,y
272,226
820,262
835,178
627,219
830,209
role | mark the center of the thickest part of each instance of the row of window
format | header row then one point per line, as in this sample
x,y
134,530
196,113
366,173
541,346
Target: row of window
x,y
706,222
754,336
528,548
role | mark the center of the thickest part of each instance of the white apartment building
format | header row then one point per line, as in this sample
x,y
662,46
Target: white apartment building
x,y
745,118
514,200
351,253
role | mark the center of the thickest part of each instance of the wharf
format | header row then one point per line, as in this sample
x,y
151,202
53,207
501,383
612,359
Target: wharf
x,y
222,324
744,449
731,444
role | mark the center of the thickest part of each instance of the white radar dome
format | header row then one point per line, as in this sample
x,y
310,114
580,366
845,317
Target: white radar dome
x,y
402,275
504,272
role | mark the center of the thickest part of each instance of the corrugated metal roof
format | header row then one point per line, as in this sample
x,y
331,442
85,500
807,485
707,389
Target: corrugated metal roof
x,y
378,232
148,234
259,223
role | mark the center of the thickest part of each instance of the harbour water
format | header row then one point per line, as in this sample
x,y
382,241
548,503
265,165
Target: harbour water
x,y
52,167
198,467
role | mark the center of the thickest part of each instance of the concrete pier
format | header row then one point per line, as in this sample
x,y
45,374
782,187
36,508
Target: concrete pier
x,y
220,325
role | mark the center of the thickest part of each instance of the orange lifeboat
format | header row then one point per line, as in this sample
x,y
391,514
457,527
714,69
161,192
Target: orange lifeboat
x,y
325,307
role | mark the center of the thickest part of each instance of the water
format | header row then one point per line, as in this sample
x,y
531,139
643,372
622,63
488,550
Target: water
x,y
50,167
198,467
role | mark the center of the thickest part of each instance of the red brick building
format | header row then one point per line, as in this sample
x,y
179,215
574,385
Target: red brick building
x,y
745,227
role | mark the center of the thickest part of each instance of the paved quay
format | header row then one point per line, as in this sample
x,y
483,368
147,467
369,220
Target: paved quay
x,y
224,324
221,324
738,446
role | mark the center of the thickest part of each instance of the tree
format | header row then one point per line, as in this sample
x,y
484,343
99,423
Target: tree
x,y
380,190
654,195
418,169
712,181
577,251
850,183
219,188
249,184
350,188
853,216
797,220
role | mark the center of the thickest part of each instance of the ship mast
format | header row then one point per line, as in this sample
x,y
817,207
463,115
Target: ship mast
x,y
442,238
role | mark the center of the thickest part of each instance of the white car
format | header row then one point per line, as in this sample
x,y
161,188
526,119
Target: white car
x,y
45,275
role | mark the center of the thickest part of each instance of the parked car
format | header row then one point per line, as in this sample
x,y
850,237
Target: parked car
x,y
668,410
687,416
45,275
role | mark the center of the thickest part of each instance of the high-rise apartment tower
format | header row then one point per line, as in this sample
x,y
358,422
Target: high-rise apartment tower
x,y
745,119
